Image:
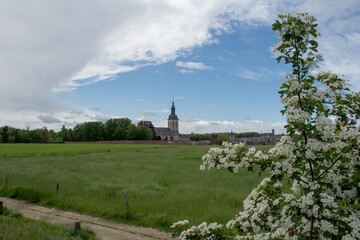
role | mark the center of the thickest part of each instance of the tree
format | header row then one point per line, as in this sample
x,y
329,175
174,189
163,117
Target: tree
x,y
5,134
115,129
247,134
64,134
131,133
199,137
44,135
20,136
89,131
145,133
35,136
319,158
223,137
53,137
139,133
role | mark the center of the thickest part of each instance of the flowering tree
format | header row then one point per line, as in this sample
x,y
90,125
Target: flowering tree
x,y
319,157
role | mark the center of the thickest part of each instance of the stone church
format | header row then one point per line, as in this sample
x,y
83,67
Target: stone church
x,y
171,133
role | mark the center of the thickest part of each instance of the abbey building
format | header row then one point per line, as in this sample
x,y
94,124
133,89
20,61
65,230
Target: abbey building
x,y
171,133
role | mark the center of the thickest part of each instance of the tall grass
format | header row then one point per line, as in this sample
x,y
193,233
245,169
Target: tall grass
x,y
162,184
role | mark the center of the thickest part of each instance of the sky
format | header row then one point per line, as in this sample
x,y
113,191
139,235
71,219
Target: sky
x,y
68,62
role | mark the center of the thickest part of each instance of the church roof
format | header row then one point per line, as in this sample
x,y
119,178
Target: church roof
x,y
173,117
160,131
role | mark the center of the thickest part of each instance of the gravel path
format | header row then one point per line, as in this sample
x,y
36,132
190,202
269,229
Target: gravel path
x,y
104,229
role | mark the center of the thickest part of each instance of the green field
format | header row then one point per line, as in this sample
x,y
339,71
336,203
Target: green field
x,y
163,183
14,226
12,150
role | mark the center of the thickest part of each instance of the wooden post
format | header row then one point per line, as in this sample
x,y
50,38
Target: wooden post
x,y
126,202
1,207
57,188
5,155
77,227
6,180
127,214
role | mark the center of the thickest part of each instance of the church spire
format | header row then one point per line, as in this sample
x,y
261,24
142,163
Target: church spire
x,y
173,120
173,108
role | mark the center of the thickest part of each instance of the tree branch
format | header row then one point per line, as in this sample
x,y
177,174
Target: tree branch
x,y
328,168
304,181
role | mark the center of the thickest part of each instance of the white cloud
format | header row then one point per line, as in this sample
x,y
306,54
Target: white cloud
x,y
189,124
194,65
340,41
204,126
184,71
52,120
62,45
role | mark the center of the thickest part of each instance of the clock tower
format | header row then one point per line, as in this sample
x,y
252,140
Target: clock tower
x,y
173,120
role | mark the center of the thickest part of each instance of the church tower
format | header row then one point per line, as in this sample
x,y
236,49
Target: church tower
x,y
173,120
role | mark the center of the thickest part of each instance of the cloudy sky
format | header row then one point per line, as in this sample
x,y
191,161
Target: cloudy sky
x,y
67,62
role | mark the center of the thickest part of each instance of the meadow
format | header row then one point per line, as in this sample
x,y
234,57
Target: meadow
x,y
163,183
37,149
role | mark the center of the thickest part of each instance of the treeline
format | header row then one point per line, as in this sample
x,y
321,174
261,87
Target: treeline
x,y
207,136
15,135
113,129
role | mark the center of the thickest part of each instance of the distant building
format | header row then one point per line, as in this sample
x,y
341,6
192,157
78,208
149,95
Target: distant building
x,y
171,133
263,139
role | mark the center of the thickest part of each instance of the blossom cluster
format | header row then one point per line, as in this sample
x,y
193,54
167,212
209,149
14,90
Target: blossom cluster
x,y
180,223
206,231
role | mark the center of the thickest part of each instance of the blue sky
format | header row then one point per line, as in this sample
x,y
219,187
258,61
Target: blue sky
x,y
67,63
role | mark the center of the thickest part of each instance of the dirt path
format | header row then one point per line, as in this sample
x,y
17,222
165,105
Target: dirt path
x,y
104,229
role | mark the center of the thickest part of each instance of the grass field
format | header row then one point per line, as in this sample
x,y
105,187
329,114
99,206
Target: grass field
x,y
163,183
14,226
12,150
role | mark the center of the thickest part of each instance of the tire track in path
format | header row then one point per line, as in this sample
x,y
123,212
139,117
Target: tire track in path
x,y
104,229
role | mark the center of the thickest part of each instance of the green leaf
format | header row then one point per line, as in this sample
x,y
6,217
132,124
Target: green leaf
x,y
276,25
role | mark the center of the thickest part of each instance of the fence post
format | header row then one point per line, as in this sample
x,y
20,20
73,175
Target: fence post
x,y
128,214
6,180
1,207
126,202
77,227
57,188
